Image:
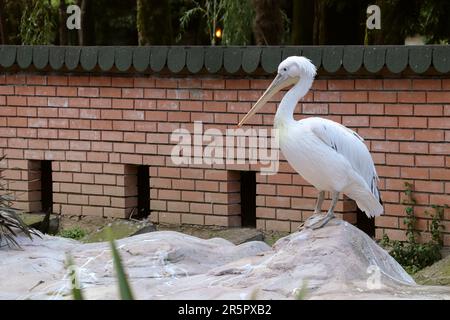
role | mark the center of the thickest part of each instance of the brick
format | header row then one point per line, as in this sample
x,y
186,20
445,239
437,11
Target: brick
x,y
192,196
440,148
411,97
415,173
429,135
372,133
369,108
278,201
89,114
382,96
68,113
369,84
79,124
177,206
110,92
121,82
24,91
314,108
226,221
383,121
79,102
197,219
413,147
133,115
71,210
16,101
398,109
397,84
355,121
6,90
37,101
437,123
354,96
48,112
325,96
275,225
438,97
100,200
170,217
400,159
122,103
205,208
167,105
385,146
428,110
144,82
400,134
412,122
429,161
341,84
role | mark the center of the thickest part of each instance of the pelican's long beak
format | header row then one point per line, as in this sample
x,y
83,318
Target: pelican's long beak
x,y
281,81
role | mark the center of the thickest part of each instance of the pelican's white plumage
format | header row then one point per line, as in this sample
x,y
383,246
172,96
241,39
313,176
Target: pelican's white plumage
x,y
325,153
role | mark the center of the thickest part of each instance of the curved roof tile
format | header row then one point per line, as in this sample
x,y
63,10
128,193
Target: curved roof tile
x,y
332,58
352,58
105,58
56,57
232,59
7,56
397,58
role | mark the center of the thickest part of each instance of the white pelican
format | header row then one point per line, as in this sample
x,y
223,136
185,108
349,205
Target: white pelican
x,y
325,153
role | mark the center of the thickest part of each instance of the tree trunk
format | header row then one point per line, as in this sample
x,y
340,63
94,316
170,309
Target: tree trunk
x,y
86,34
302,22
62,23
268,24
154,22
3,33
319,22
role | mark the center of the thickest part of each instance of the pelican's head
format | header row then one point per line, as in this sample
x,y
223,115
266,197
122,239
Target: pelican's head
x,y
290,71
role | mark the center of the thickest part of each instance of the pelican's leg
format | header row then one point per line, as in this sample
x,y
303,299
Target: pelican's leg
x,y
317,215
329,215
318,209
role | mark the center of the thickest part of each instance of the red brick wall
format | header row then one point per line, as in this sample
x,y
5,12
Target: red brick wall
x,y
95,128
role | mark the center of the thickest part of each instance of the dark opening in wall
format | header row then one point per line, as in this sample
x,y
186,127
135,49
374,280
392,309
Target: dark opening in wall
x,y
365,223
248,199
143,184
46,186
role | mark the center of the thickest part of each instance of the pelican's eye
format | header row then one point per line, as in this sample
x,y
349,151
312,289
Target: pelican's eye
x,y
284,69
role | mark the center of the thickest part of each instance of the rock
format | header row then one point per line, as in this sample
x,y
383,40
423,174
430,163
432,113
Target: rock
x,y
240,235
335,262
234,235
436,274
120,229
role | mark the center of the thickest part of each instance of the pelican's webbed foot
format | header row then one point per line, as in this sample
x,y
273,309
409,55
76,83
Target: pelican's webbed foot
x,y
317,221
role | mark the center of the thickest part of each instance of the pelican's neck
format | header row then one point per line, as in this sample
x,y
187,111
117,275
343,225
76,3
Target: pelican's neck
x,y
285,112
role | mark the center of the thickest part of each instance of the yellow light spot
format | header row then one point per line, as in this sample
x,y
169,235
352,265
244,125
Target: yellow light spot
x,y
218,33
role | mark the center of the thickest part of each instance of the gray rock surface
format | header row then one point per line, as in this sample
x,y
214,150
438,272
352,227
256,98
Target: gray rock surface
x,y
335,262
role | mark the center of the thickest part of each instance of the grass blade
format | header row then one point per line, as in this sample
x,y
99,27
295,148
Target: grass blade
x,y
124,287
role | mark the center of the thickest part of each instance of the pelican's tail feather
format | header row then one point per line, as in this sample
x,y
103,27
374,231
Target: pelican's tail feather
x,y
365,200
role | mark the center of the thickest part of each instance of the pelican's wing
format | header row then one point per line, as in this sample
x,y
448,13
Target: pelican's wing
x,y
350,145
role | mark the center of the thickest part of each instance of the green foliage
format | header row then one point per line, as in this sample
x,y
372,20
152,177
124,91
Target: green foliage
x,y
210,10
37,25
75,233
124,287
237,22
10,221
414,256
